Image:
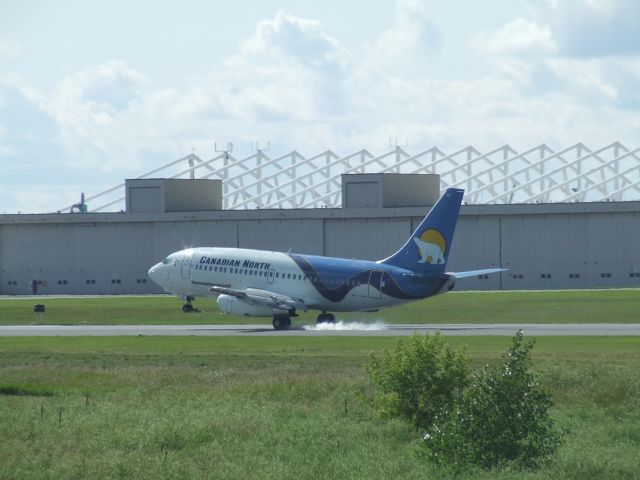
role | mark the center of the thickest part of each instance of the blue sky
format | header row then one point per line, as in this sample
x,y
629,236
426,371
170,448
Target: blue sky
x,y
95,92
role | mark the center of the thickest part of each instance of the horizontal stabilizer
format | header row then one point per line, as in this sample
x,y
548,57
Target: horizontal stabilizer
x,y
474,273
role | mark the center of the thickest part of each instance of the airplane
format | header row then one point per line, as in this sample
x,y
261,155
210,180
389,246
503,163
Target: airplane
x,y
275,284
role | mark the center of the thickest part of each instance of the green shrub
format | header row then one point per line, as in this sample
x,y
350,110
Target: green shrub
x,y
501,419
419,380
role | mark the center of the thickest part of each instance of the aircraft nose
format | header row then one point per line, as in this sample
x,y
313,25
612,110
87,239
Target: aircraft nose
x,y
154,272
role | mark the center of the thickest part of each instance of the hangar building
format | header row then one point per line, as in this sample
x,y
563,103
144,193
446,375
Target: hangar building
x,y
575,243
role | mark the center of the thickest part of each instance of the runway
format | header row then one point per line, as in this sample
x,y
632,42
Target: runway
x,y
340,329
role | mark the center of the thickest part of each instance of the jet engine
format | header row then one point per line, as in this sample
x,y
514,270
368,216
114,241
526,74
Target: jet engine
x,y
237,306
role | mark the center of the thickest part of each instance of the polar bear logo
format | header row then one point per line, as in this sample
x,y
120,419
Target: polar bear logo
x,y
431,246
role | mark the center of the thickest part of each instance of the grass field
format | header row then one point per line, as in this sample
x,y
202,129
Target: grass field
x,y
580,306
286,408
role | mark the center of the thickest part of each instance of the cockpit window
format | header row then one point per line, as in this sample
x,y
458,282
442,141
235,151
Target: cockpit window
x,y
166,261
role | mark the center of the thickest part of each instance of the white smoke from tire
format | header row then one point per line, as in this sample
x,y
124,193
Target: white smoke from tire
x,y
341,326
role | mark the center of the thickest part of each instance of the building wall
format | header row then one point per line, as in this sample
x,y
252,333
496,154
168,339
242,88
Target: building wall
x,y
543,246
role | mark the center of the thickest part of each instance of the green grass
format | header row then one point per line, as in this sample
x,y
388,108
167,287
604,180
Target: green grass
x,y
277,407
579,306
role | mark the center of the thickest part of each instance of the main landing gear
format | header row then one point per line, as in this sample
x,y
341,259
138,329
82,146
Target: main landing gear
x,y
281,322
325,317
188,307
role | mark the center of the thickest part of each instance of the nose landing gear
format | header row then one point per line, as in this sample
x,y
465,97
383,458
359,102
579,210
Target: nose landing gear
x,y
188,307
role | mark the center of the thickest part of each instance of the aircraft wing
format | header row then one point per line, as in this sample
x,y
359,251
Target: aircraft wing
x,y
474,273
274,300
234,292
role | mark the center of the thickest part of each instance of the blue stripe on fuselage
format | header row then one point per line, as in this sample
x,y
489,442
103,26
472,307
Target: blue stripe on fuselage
x,y
342,275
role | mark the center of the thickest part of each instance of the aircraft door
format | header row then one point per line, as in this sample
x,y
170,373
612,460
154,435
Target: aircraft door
x,y
376,282
186,266
271,275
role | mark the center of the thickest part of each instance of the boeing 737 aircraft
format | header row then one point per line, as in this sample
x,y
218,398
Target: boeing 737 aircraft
x,y
274,284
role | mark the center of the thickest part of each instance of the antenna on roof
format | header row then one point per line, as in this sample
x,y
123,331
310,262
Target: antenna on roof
x,y
260,148
226,151
393,143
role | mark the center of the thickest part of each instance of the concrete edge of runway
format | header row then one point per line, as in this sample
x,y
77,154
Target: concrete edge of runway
x,y
582,329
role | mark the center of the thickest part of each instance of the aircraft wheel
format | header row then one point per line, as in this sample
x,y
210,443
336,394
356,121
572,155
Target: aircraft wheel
x,y
281,322
187,308
326,318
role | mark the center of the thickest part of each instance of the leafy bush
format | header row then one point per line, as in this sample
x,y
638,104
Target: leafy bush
x,y
502,418
419,380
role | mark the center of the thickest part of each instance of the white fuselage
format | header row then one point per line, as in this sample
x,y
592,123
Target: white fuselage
x,y
192,273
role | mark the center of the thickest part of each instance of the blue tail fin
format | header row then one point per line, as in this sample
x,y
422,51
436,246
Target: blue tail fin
x,y
428,248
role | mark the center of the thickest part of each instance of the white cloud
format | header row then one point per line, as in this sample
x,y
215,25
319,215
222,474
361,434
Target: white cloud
x,y
574,51
569,28
609,81
112,86
592,28
27,127
518,37
290,68
92,106
406,47
295,40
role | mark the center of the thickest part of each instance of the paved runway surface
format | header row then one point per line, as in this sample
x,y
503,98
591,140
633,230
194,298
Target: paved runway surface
x,y
340,329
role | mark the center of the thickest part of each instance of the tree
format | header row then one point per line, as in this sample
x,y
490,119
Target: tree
x,y
502,418
419,380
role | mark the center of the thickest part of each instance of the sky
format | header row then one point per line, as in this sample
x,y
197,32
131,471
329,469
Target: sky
x,y
95,92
